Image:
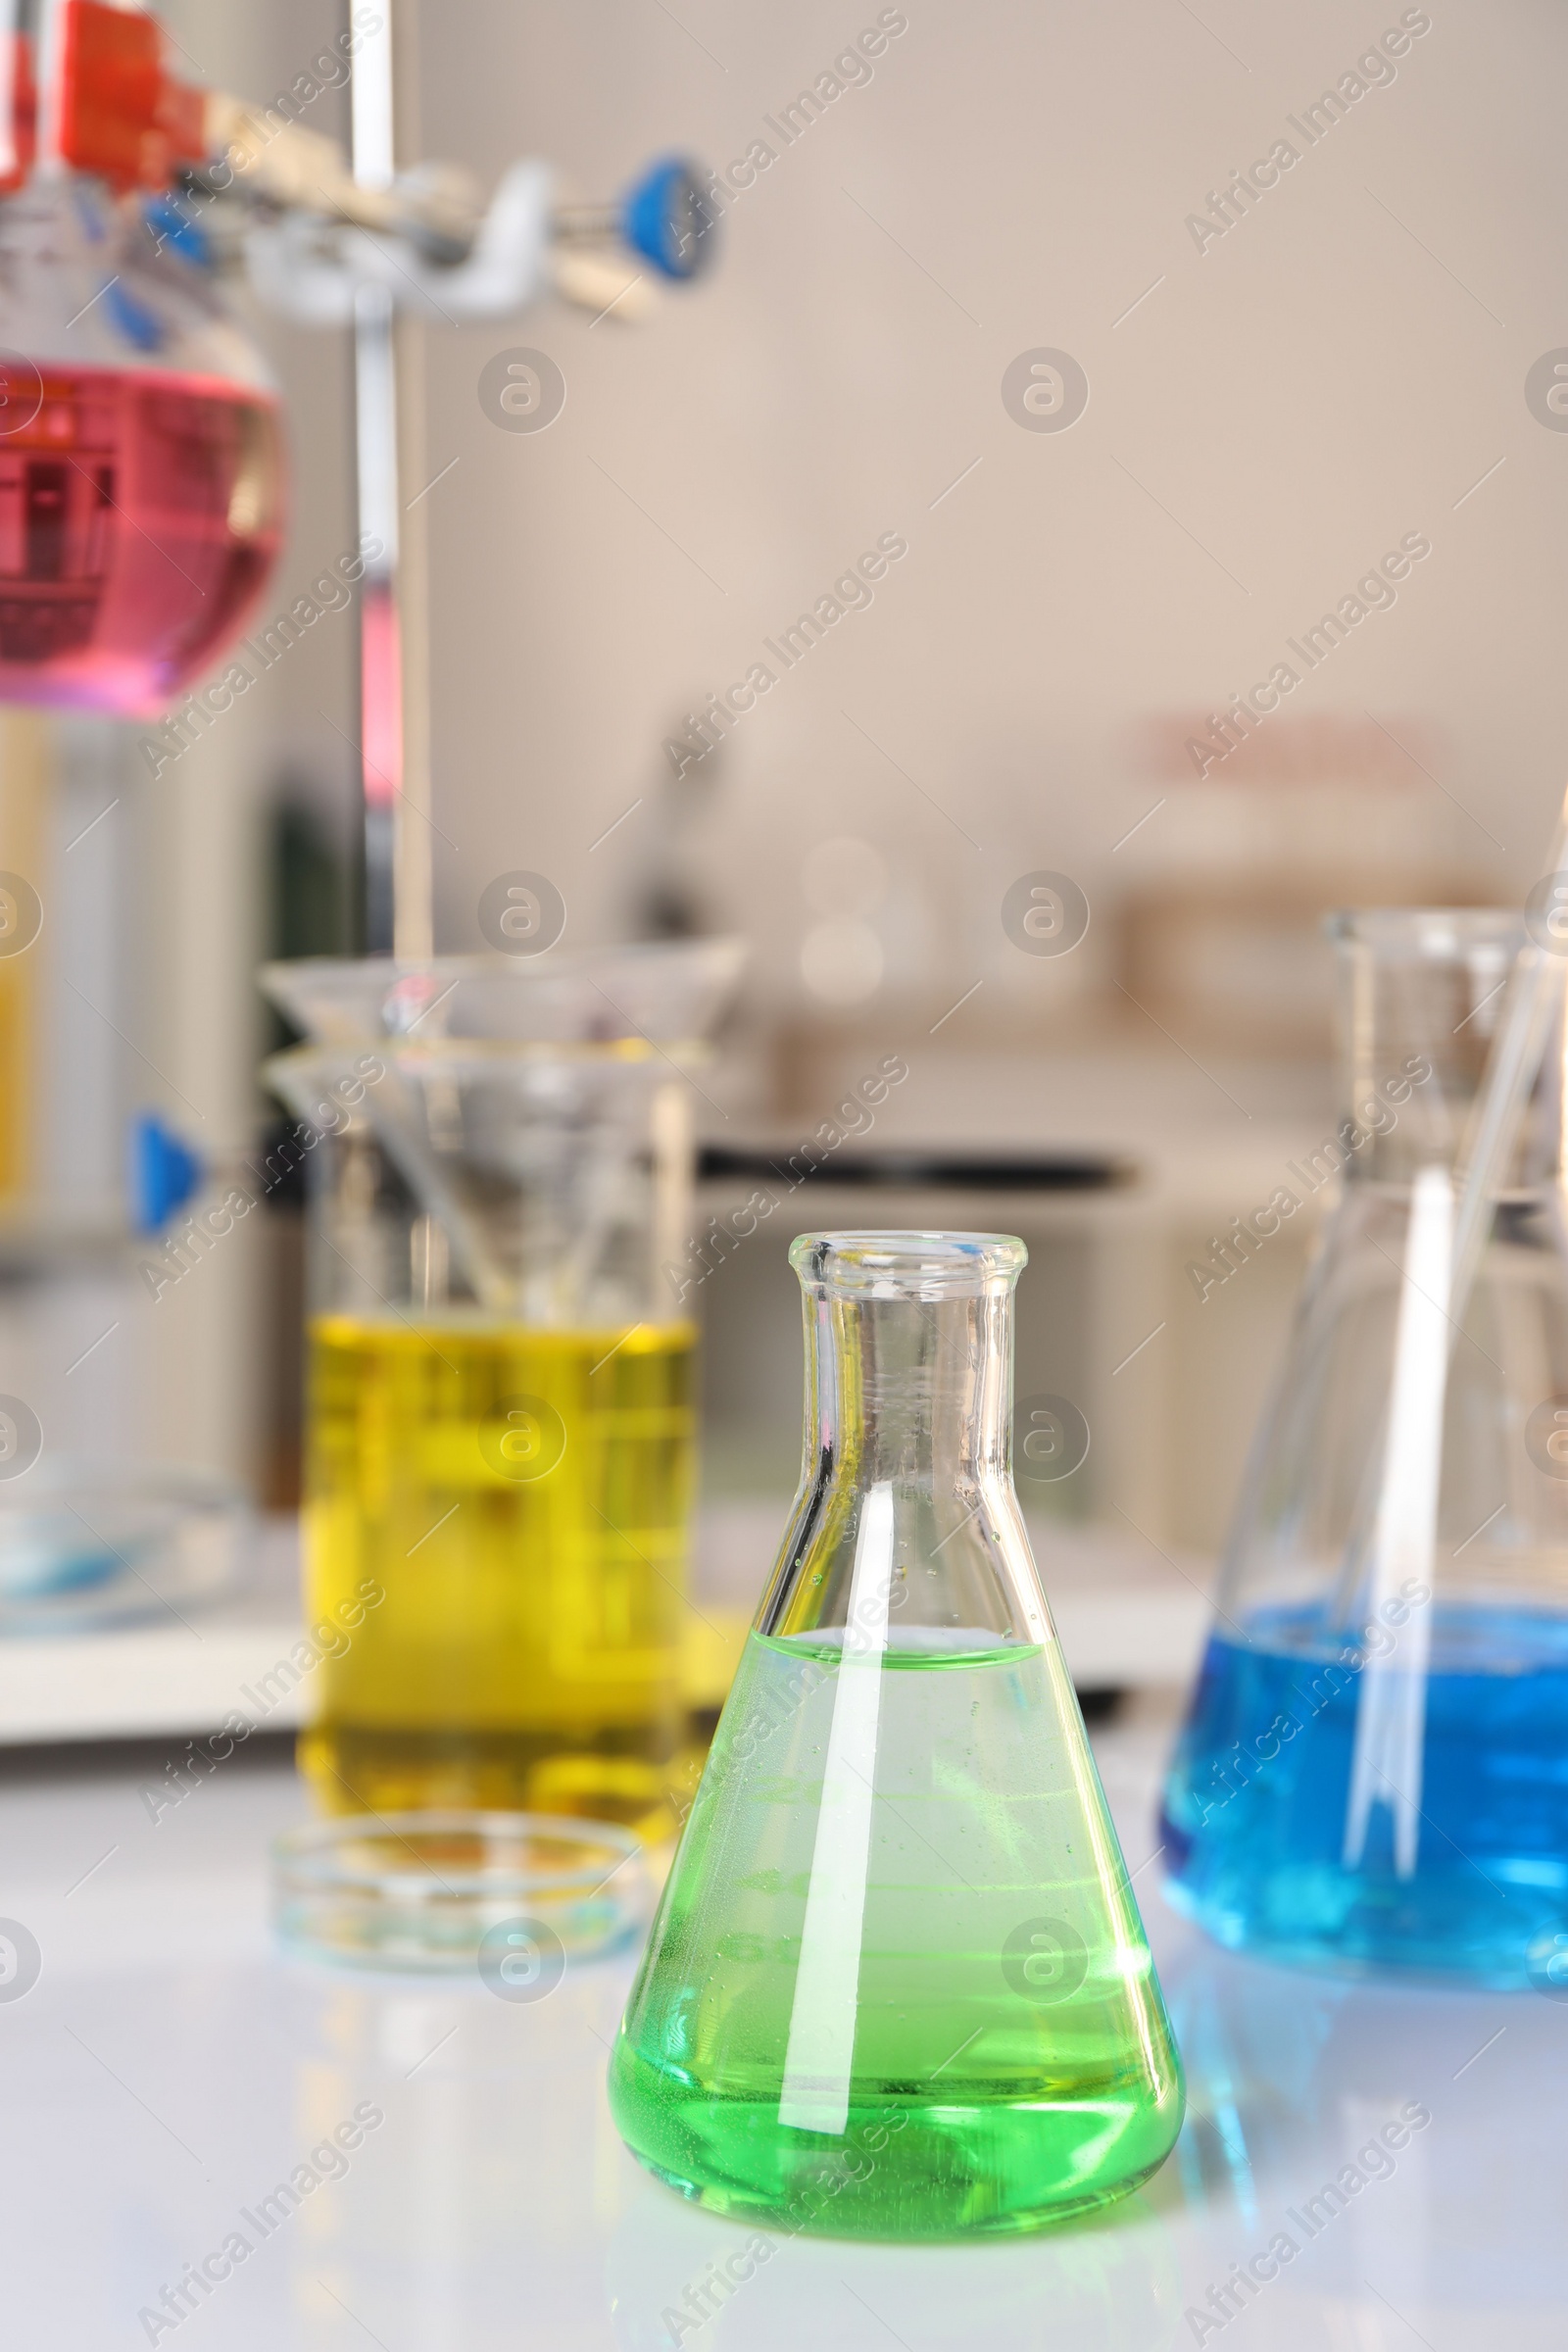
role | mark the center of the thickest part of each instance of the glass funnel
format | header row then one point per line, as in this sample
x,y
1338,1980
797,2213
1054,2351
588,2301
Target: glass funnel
x,y
500,1412
1372,1769
898,1985
141,470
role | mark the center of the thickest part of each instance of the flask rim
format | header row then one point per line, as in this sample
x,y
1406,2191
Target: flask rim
x,y
879,1263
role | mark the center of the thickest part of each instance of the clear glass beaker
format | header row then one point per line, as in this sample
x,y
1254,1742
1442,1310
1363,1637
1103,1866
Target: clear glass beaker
x,y
1374,1768
500,1410
898,1985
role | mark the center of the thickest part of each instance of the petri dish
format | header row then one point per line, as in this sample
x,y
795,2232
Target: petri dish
x,y
85,1546
516,1896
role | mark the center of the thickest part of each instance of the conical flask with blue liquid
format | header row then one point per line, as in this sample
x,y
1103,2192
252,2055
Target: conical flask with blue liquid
x,y
1374,1768
898,1985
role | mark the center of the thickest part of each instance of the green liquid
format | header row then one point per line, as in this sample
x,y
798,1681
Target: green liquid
x,y
1005,2057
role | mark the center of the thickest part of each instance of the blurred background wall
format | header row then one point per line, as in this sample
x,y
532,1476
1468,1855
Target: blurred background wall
x,y
1258,395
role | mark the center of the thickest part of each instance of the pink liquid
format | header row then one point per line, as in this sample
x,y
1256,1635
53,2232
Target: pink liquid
x,y
139,517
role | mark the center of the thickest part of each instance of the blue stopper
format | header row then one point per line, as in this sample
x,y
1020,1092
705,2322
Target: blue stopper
x,y
173,225
164,1173
668,221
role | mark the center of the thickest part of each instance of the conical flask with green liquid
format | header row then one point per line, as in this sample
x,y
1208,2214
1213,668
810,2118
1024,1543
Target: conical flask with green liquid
x,y
898,1985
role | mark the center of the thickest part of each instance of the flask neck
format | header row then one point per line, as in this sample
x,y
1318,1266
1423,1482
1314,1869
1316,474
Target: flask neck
x,y
1421,993
907,1531
908,1392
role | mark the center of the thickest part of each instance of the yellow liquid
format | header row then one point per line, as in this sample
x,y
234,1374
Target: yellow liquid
x,y
522,1500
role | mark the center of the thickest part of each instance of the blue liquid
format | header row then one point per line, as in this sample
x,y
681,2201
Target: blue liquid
x,y
1254,1814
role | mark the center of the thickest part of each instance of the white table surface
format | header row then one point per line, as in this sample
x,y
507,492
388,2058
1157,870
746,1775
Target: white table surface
x,y
168,2068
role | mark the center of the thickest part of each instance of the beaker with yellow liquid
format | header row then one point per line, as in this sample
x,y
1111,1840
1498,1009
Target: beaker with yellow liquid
x,y
501,1419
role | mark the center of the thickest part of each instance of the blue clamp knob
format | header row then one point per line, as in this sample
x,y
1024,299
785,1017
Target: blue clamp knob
x,y
668,221
164,1173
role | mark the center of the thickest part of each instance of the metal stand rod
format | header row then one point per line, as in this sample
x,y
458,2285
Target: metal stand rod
x,y
394,700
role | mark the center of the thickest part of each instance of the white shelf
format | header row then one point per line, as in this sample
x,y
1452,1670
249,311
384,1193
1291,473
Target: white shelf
x,y
1127,1619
